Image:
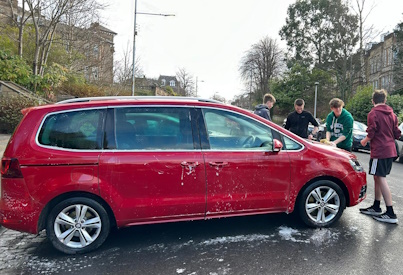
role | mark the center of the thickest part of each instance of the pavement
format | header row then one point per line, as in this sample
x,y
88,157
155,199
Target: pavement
x,y
3,143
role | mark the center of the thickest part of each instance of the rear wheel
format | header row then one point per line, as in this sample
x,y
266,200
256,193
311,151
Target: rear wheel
x,y
321,204
77,225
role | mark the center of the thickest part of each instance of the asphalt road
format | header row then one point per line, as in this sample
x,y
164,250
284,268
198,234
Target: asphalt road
x,y
265,244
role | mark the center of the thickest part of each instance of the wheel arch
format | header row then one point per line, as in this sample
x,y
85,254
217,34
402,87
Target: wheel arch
x,y
330,178
46,210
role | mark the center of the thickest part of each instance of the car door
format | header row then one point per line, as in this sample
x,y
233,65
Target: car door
x,y
243,173
151,169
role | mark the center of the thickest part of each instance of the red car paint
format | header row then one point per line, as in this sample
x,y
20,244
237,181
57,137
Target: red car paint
x,y
153,186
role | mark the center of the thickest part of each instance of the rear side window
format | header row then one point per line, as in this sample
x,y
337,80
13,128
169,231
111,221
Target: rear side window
x,y
73,130
153,128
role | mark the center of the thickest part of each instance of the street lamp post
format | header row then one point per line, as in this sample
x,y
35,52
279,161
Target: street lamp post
x,y
134,49
197,81
316,98
134,41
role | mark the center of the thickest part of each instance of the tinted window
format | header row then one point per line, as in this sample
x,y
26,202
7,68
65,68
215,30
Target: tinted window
x,y
73,130
230,131
145,128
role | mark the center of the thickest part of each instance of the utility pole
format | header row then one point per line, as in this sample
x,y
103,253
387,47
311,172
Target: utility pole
x,y
316,98
134,49
134,41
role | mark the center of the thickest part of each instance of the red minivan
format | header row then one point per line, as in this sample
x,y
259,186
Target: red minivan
x,y
82,166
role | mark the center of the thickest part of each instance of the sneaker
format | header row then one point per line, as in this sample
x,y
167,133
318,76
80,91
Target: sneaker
x,y
371,211
385,217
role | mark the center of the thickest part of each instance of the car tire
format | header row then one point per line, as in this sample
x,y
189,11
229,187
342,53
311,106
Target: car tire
x,y
315,209
75,233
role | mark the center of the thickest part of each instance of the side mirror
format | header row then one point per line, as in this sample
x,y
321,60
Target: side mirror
x,y
277,145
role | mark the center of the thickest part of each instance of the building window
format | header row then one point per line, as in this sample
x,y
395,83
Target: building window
x,y
96,50
163,82
95,73
372,62
172,83
86,72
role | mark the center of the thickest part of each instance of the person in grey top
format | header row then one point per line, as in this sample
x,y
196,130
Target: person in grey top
x,y
263,110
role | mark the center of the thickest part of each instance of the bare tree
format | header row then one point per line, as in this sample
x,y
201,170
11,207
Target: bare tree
x,y
217,97
124,68
366,33
48,15
186,82
261,63
19,22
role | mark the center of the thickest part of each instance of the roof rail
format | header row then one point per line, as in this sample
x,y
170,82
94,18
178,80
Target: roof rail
x,y
100,98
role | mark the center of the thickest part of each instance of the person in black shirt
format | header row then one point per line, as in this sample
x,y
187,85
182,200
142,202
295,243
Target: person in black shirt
x,y
297,122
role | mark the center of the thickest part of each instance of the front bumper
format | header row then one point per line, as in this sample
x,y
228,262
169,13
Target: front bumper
x,y
357,183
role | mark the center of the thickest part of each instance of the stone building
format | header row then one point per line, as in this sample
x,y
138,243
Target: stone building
x,y
379,63
99,50
171,81
8,11
95,44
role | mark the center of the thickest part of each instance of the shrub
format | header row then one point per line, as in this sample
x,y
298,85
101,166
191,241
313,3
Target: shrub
x,y
360,104
14,68
396,102
10,111
82,90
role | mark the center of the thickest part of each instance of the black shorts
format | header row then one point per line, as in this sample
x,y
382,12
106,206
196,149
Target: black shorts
x,y
380,167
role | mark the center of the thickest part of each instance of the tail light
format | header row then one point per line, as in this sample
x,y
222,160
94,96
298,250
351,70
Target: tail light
x,y
10,168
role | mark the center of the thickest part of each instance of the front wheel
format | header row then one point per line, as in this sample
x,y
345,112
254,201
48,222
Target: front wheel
x,y
321,204
77,225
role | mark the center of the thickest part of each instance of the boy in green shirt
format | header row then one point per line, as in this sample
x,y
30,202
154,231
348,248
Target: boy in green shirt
x,y
339,125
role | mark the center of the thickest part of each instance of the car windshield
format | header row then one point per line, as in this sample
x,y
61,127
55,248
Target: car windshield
x,y
360,126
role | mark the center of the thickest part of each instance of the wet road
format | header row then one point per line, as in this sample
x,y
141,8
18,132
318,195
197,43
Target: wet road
x,y
266,244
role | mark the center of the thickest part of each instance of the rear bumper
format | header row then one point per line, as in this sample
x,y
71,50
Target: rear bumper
x,y
17,209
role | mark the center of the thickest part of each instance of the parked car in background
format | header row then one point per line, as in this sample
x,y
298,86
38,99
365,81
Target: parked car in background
x,y
321,134
359,133
86,165
399,146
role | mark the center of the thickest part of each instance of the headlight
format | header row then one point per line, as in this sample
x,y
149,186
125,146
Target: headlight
x,y
356,165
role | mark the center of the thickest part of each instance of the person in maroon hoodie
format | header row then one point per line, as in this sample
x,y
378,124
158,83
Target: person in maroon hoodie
x,y
382,131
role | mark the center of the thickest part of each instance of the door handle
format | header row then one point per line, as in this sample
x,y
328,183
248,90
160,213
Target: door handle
x,y
219,164
190,164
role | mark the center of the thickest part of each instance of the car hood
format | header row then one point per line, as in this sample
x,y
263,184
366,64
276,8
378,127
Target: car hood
x,y
330,150
361,133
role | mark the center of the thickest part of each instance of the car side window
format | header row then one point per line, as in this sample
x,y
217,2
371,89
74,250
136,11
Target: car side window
x,y
153,128
230,131
291,145
73,130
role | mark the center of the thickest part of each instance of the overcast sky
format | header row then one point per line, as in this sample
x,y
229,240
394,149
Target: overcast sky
x,y
209,37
